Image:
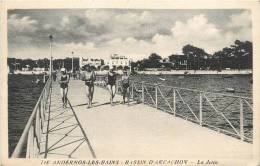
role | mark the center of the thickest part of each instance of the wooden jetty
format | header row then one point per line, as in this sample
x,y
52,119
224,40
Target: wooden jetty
x,y
118,131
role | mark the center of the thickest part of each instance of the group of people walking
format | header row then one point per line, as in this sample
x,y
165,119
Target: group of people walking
x,y
88,76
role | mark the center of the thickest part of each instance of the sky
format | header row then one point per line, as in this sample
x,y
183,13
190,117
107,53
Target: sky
x,y
135,33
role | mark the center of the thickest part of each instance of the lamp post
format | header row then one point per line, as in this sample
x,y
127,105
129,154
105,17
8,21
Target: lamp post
x,y
130,64
72,62
51,40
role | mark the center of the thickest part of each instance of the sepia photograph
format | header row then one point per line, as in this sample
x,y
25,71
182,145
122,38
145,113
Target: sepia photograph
x,y
123,86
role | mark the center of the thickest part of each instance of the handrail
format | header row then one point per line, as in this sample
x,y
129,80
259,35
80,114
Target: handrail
x,y
195,90
181,88
201,112
32,126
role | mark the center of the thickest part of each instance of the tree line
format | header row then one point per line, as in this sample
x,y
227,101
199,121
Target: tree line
x,y
237,56
18,64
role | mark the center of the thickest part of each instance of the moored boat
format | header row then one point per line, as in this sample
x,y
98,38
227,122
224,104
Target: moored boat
x,y
231,90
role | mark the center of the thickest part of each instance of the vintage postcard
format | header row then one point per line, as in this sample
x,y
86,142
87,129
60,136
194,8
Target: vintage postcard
x,y
132,83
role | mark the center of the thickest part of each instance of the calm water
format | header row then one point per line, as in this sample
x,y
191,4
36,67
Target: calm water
x,y
211,83
22,97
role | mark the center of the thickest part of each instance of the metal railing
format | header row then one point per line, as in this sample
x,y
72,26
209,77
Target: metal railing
x,y
31,136
228,114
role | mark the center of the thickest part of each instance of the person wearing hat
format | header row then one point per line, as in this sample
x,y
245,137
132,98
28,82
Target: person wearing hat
x,y
89,77
125,86
111,84
64,81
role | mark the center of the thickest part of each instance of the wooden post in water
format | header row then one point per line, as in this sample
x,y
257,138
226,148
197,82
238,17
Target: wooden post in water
x,y
241,119
200,108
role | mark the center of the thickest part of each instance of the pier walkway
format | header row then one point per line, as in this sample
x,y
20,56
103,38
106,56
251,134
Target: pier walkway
x,y
127,131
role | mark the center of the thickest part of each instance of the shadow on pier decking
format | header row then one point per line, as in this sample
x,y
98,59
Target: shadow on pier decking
x,y
65,137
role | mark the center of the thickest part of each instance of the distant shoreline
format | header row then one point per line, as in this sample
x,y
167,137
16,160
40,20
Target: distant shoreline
x,y
18,72
198,72
170,72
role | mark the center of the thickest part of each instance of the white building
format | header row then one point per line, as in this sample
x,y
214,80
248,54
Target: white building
x,y
39,69
116,60
89,61
25,69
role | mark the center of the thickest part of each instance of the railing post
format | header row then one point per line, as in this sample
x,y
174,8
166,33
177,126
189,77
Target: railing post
x,y
39,125
42,102
29,143
143,92
132,91
38,136
156,96
44,78
42,109
45,99
241,119
174,102
200,109
34,148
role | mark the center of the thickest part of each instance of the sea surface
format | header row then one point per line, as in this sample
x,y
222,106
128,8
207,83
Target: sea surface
x,y
23,94
211,83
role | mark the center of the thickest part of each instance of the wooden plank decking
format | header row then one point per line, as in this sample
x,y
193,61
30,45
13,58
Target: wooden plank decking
x,y
134,131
